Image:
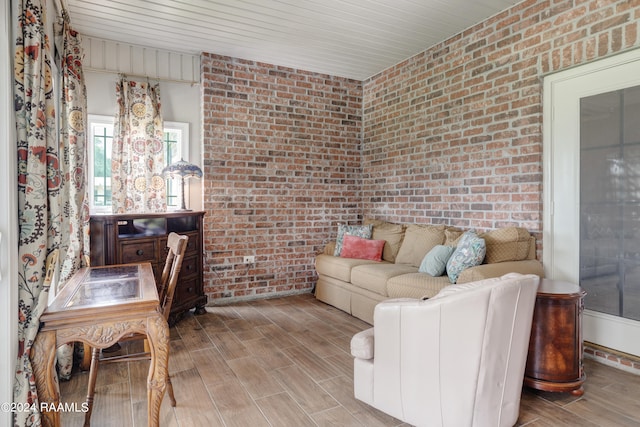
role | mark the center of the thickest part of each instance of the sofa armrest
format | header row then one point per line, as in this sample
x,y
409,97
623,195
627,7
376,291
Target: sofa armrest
x,y
498,269
362,345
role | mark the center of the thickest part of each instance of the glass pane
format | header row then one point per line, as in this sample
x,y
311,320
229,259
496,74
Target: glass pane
x,y
172,141
632,115
102,143
102,137
600,121
107,286
610,202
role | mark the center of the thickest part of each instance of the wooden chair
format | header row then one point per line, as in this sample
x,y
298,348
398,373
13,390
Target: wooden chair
x,y
176,245
50,266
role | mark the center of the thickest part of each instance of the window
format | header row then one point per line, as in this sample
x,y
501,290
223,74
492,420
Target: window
x,y
176,137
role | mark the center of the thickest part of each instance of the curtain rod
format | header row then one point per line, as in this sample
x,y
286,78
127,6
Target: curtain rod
x,y
140,76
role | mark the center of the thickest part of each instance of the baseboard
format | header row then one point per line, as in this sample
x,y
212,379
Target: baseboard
x,y
212,302
610,357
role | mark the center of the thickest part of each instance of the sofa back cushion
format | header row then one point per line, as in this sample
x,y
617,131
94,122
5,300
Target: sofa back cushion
x,y
391,233
507,244
418,241
452,236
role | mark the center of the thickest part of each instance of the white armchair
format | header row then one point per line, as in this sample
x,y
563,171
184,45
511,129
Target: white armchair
x,y
456,359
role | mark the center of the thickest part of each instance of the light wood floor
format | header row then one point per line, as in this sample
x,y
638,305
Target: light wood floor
x,y
286,362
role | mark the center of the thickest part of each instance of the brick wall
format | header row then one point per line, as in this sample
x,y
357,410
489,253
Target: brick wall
x,y
282,167
454,134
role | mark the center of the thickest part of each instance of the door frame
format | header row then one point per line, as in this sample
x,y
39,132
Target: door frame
x,y
561,180
8,218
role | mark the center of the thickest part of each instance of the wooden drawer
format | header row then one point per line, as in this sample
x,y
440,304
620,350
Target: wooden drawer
x,y
189,267
138,251
187,290
192,245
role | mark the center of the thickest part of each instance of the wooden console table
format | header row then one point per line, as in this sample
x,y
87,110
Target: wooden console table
x,y
554,362
98,306
136,237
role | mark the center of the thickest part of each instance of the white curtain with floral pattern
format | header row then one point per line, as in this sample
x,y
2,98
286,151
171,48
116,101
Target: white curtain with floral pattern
x,y
52,211
137,158
74,245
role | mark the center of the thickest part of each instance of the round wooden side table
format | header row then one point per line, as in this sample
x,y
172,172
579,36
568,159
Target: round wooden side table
x,y
554,361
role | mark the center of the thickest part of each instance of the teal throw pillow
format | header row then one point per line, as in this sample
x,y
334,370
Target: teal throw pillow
x,y
434,262
363,231
469,253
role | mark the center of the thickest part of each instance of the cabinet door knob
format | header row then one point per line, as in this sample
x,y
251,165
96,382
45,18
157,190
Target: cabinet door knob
x,y
139,252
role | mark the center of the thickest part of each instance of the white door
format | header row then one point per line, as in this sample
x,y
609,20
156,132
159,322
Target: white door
x,y
592,193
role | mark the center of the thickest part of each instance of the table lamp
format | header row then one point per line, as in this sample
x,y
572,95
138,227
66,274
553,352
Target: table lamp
x,y
184,170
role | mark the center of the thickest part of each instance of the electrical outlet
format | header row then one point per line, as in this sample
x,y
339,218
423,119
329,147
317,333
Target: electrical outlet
x,y
249,259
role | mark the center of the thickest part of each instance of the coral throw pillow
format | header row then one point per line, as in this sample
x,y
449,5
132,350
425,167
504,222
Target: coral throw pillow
x,y
363,231
357,247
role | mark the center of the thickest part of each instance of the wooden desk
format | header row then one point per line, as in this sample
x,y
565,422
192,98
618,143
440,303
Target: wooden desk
x,y
98,306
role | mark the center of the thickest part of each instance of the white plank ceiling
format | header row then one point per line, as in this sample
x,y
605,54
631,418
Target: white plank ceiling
x,y
349,38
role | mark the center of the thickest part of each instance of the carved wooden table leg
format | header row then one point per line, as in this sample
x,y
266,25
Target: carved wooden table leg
x,y
43,356
158,338
93,376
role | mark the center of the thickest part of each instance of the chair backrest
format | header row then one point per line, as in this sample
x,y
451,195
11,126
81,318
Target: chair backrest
x,y
177,245
50,269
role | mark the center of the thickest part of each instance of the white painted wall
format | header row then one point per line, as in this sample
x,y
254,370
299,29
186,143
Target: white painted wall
x,y
180,100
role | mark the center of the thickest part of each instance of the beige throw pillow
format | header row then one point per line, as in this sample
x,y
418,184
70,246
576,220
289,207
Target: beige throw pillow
x,y
391,233
418,241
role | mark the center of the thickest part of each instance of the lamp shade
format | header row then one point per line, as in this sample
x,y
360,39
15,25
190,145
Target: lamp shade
x,y
182,169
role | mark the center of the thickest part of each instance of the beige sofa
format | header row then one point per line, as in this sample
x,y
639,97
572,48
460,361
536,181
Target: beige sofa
x,y
357,285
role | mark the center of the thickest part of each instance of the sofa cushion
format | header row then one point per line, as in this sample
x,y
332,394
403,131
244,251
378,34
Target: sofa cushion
x,y
469,252
418,240
416,285
374,276
452,236
363,231
357,247
506,244
338,268
391,233
435,261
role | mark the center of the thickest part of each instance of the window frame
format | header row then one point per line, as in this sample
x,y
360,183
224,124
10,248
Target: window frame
x,y
183,153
